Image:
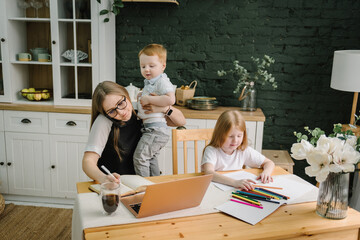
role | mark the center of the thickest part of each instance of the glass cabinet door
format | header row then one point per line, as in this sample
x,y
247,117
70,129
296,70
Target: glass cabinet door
x,y
74,26
62,46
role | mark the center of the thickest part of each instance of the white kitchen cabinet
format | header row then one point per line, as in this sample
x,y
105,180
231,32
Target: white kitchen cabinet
x,y
254,130
43,153
28,165
3,171
64,25
66,162
68,137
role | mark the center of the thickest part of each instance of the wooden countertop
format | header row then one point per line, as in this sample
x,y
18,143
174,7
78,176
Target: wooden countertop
x,y
257,115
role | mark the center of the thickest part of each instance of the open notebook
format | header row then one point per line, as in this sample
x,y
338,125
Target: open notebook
x,y
130,184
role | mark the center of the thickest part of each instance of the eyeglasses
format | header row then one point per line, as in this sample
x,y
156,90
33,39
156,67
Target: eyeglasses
x,y
120,105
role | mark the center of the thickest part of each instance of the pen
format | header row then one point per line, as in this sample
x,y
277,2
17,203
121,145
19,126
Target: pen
x,y
107,171
249,204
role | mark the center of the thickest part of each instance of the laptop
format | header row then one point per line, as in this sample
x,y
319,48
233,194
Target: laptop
x,y
168,196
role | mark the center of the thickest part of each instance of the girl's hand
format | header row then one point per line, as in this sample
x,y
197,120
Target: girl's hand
x,y
245,184
265,178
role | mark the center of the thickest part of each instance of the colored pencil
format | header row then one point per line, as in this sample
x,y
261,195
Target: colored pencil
x,y
267,194
262,186
248,197
278,194
245,203
261,198
252,194
271,194
246,200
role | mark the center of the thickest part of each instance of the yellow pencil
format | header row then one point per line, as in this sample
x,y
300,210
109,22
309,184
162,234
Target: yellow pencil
x,y
267,194
247,200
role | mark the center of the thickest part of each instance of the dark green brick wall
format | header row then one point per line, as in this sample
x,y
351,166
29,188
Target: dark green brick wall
x,y
203,36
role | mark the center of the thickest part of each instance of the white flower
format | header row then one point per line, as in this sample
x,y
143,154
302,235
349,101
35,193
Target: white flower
x,y
300,150
351,140
331,154
344,159
319,164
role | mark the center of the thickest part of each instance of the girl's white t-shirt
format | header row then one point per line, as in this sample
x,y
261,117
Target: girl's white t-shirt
x,y
224,162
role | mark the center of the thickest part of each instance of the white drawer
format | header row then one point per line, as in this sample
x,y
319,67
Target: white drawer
x,y
69,124
24,121
2,120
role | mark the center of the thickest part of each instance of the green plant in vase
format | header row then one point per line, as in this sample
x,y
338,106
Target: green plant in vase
x,y
246,80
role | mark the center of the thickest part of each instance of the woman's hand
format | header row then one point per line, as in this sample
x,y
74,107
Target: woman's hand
x,y
109,178
246,184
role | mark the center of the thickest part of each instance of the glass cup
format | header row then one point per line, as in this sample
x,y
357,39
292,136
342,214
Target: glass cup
x,y
110,197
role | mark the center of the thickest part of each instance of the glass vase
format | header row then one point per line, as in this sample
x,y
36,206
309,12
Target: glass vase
x,y
332,200
248,103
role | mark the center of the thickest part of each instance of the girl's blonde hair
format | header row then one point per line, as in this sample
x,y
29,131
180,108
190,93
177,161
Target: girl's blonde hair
x,y
155,49
101,91
227,120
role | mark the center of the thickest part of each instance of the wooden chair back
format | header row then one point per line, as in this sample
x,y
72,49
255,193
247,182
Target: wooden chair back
x,y
185,136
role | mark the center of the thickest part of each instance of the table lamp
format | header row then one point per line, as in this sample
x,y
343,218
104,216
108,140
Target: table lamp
x,y
346,75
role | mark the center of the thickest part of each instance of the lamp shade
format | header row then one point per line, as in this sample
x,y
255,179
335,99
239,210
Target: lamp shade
x,y
346,71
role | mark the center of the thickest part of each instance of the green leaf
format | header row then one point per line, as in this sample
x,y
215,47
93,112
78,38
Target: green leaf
x,y
99,1
106,20
115,11
118,4
104,11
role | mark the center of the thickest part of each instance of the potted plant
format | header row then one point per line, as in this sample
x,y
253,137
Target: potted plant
x,y
246,80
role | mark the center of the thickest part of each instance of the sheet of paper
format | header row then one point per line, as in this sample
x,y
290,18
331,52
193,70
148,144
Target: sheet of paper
x,y
247,213
238,176
292,186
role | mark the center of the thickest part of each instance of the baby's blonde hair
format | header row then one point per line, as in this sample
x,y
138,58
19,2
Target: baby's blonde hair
x,y
227,120
155,49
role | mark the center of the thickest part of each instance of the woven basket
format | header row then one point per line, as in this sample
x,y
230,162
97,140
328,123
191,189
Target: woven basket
x,y
2,204
184,94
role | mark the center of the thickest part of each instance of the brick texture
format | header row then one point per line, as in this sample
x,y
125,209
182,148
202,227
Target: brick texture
x,y
205,36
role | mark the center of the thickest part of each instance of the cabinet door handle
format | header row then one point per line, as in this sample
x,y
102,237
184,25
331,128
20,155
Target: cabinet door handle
x,y
53,42
2,163
9,163
2,39
52,166
71,123
25,120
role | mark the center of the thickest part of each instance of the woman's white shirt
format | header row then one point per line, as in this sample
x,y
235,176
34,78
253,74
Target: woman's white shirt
x,y
99,134
224,162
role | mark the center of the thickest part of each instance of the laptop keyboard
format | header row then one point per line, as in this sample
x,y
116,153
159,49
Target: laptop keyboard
x,y
136,207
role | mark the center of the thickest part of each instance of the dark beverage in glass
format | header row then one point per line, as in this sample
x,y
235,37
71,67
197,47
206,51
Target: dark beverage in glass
x,y
110,202
110,197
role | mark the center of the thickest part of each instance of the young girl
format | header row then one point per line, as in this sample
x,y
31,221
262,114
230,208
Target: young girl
x,y
229,150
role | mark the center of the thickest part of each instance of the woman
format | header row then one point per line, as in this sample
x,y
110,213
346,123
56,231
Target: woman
x,y
115,132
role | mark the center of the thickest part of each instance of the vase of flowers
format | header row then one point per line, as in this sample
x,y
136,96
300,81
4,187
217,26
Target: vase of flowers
x,y
247,81
332,200
330,160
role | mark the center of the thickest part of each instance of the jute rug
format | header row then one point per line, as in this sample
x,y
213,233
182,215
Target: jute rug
x,y
38,223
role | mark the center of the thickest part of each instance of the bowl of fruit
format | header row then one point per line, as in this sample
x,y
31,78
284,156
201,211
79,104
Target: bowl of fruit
x,y
38,94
